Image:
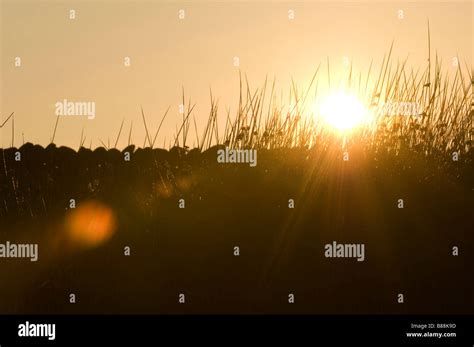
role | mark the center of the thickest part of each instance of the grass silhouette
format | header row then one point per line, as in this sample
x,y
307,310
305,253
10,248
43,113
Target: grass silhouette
x,y
190,249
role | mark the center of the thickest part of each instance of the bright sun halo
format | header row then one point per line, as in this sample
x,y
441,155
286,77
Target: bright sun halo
x,y
342,111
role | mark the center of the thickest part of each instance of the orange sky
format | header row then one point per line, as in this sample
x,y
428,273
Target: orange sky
x,y
83,59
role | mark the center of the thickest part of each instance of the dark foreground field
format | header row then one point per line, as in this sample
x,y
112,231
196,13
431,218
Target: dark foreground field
x,y
191,250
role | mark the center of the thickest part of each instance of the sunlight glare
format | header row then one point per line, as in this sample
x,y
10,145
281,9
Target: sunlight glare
x,y
342,111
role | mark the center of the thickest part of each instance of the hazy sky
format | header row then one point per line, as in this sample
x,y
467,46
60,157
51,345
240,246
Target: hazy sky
x,y
82,59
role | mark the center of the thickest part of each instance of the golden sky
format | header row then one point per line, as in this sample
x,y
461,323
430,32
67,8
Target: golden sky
x,y
82,59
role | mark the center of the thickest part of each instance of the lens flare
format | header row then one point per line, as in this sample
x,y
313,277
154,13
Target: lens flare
x,y
90,224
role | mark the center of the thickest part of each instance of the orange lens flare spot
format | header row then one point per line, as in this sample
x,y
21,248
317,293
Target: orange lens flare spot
x,y
90,224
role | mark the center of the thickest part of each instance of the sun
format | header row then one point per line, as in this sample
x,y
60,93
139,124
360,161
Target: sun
x,y
342,111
